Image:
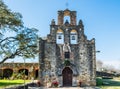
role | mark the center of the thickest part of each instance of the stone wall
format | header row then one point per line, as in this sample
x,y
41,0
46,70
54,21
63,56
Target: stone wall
x,y
14,68
82,60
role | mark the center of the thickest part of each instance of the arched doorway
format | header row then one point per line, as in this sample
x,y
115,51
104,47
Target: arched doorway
x,y
36,73
67,76
7,73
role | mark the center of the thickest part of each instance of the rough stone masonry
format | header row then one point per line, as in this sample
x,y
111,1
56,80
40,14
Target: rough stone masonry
x,y
66,55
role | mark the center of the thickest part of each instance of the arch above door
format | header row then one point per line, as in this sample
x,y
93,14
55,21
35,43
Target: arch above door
x,y
67,74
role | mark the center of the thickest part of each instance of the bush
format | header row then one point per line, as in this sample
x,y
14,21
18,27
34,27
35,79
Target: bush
x,y
19,76
55,84
99,81
67,63
106,77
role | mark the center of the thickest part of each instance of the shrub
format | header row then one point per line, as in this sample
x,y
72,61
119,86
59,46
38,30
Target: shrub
x,y
19,76
106,77
66,62
99,81
55,84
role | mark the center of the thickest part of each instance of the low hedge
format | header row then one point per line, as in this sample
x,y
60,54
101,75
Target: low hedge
x,y
99,81
106,77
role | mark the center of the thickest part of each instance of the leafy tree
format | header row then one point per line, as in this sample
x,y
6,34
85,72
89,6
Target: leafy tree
x,y
22,43
9,19
99,65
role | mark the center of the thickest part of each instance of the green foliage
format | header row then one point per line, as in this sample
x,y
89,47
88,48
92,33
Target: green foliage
x,y
107,77
20,75
99,81
108,83
66,62
9,18
27,42
24,41
24,44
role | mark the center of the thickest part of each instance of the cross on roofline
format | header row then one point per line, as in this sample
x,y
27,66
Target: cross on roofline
x,y
67,4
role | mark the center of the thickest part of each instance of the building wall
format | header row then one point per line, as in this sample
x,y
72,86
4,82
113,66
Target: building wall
x,y
8,69
82,53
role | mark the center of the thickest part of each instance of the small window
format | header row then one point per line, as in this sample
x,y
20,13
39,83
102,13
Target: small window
x,y
67,54
59,37
73,37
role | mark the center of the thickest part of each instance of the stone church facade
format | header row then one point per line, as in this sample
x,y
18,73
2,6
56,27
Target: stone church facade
x,y
66,55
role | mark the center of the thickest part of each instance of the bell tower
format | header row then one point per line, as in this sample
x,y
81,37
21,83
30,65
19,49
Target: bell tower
x,y
71,14
67,55
66,31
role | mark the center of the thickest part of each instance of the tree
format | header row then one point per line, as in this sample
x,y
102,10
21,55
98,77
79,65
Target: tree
x,y
99,65
24,41
109,68
9,18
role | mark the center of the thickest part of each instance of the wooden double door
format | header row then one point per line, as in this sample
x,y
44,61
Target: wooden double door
x,y
67,76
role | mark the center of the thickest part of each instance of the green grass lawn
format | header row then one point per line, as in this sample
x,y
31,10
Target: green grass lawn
x,y
6,83
110,83
102,83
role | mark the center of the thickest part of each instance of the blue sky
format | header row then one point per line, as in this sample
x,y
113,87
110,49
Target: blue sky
x,y
101,20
